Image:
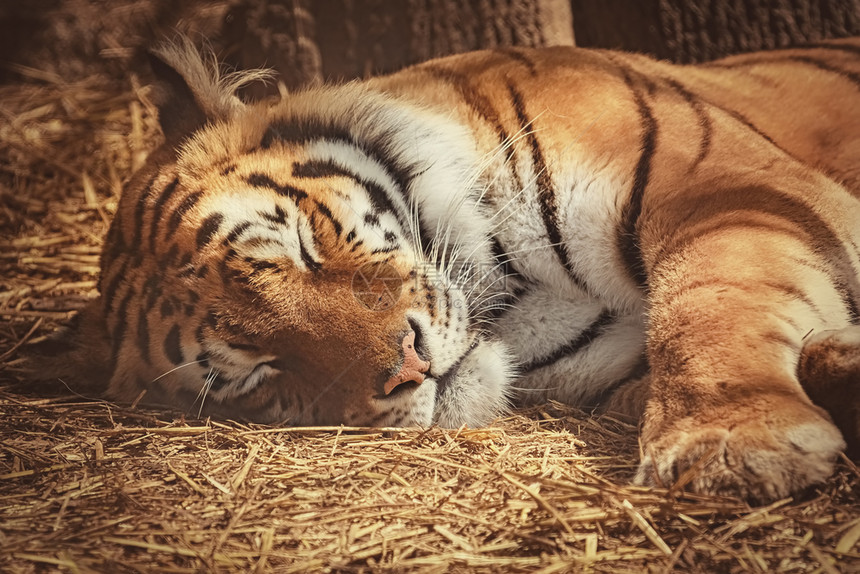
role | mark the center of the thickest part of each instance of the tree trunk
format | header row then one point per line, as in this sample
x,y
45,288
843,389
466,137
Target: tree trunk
x,y
699,30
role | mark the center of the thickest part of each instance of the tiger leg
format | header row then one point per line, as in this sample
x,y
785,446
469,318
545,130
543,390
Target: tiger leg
x,y
829,370
729,306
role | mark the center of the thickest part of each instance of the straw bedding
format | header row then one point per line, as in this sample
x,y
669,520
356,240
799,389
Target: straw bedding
x,y
90,486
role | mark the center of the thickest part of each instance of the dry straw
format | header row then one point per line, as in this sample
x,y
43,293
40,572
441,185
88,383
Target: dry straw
x,y
87,486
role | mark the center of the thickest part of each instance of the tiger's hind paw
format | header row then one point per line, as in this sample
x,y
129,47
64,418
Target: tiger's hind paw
x,y
759,454
829,370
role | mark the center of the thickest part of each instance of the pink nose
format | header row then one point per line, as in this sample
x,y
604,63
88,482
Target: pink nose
x,y
413,368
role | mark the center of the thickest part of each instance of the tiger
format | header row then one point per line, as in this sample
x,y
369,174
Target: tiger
x,y
679,244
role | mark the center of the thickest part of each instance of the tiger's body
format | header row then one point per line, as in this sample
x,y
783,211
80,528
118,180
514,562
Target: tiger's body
x,y
605,226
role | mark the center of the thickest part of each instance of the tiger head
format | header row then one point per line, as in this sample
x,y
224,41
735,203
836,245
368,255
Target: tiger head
x,y
318,261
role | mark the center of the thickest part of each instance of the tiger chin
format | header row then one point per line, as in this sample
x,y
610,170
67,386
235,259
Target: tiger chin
x,y
677,243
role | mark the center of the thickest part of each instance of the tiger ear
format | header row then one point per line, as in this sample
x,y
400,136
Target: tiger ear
x,y
179,112
190,89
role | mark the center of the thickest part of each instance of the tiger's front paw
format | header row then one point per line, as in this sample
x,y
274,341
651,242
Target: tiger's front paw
x,y
762,450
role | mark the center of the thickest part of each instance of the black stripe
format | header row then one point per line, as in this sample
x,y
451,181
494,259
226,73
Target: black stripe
x,y
176,217
169,257
217,382
211,320
172,346
764,199
381,201
184,262
740,118
247,347
238,230
500,256
198,334
301,131
479,103
376,419
545,192
111,287
136,239
315,168
745,121
779,57
482,106
323,209
585,338
386,249
499,303
306,257
279,218
166,309
225,262
379,197
824,66
208,228
262,180
788,291
520,56
157,211
260,264
202,359
484,109
628,232
118,332
443,380
704,120
309,129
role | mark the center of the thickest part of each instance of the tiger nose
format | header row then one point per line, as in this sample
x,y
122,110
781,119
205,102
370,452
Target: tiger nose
x,y
413,368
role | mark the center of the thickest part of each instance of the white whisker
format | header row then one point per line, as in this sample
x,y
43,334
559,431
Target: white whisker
x,y
204,391
162,375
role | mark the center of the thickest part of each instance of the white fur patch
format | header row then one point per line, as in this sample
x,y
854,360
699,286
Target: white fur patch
x,y
479,390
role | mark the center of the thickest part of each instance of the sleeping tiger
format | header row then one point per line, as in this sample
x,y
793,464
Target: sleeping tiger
x,y
680,243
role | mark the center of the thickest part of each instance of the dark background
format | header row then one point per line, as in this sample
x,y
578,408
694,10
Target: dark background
x,y
314,40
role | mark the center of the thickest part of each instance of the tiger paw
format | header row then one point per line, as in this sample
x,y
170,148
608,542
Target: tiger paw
x,y
829,370
761,451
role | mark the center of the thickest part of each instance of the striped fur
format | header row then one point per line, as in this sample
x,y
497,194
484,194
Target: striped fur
x,y
609,226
